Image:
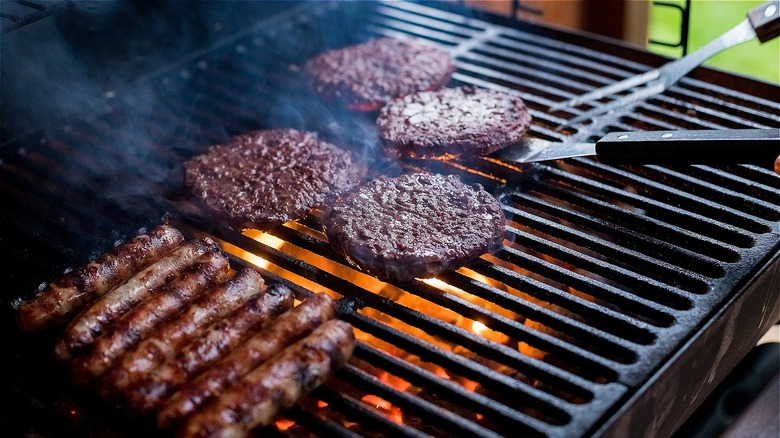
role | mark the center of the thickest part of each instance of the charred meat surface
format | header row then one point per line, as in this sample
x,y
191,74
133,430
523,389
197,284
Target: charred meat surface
x,y
200,354
464,121
85,328
162,345
268,177
415,225
146,317
188,321
366,76
69,294
276,385
288,328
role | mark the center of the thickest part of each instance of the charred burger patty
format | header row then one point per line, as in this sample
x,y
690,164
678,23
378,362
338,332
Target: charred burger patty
x,y
364,77
268,177
415,225
465,121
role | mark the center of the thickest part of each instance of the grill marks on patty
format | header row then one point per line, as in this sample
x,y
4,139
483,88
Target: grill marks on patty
x,y
364,77
267,177
465,121
415,225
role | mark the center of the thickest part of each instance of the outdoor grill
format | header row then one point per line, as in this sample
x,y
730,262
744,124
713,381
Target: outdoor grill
x,y
620,299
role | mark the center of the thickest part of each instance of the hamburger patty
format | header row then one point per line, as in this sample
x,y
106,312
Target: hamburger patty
x,y
268,177
465,121
364,77
415,225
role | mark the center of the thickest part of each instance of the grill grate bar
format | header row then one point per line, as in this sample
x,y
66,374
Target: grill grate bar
x,y
489,349
648,310
359,411
313,423
591,350
593,332
663,108
704,264
600,257
695,216
471,73
425,409
614,323
456,25
519,331
719,222
748,208
726,97
453,392
641,285
65,221
758,183
319,246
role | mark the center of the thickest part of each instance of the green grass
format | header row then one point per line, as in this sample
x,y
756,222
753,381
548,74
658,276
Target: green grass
x,y
709,19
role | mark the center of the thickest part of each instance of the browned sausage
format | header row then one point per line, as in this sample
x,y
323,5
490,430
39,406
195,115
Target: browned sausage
x,y
201,353
88,325
288,328
276,385
132,327
68,295
164,343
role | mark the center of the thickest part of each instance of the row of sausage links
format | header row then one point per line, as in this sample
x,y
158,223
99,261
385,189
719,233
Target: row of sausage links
x,y
162,326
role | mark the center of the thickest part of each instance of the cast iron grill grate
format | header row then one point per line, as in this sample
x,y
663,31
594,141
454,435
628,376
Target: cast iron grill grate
x,y
606,271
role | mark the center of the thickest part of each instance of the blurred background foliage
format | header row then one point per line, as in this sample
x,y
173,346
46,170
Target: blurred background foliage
x,y
709,19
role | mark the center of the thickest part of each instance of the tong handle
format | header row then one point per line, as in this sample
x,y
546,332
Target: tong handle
x,y
765,19
736,146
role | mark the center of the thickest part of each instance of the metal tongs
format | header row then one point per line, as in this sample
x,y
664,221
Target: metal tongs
x,y
762,22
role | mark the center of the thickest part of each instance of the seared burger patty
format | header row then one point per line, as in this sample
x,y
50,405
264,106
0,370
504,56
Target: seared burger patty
x,y
415,225
267,177
465,121
364,77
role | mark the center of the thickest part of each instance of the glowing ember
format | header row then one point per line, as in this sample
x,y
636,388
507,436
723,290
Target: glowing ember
x,y
393,413
377,402
394,381
265,265
469,384
479,328
284,424
265,238
484,331
441,373
245,255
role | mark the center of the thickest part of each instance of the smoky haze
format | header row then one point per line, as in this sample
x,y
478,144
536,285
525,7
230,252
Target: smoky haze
x,y
72,64
157,67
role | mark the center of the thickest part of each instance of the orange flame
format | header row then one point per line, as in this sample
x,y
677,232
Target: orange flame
x,y
393,413
284,424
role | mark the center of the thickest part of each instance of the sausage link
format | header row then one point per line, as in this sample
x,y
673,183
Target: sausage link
x,y
201,353
87,326
69,294
288,328
165,343
133,326
276,385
